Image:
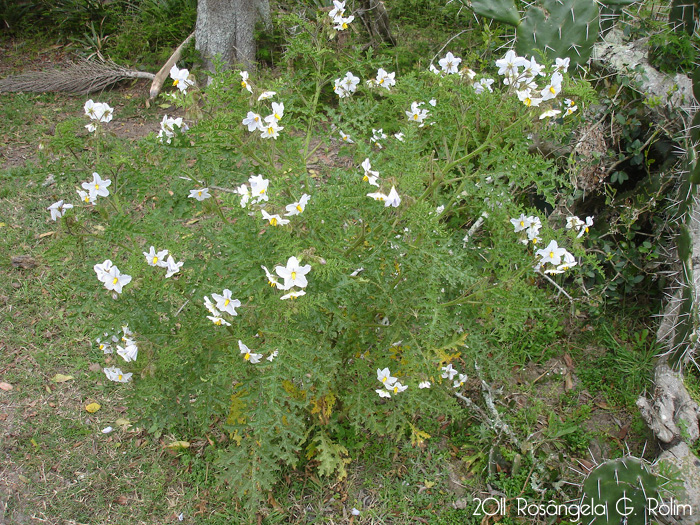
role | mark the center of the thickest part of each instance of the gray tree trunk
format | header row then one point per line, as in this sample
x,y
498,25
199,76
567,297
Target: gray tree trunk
x,y
226,28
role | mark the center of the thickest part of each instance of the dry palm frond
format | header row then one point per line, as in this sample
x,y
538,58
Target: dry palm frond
x,y
86,76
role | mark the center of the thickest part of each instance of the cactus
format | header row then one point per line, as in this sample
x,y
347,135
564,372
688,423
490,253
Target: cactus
x,y
555,28
683,15
687,324
615,480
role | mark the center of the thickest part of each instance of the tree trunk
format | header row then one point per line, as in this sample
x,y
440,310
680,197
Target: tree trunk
x,y
225,28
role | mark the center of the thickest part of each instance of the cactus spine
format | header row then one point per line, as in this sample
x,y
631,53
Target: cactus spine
x,y
615,480
554,28
687,326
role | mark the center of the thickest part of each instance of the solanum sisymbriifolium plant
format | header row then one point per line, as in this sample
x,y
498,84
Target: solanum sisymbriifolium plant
x,y
276,299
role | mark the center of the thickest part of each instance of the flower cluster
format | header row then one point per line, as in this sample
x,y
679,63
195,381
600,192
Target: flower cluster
x,y
181,79
449,373
293,274
99,112
530,225
157,258
97,187
346,86
574,223
560,259
167,128
109,275
337,15
269,126
257,192
224,303
391,384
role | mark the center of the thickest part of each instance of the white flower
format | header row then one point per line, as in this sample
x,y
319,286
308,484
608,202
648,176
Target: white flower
x,y
346,86
553,88
103,269
277,112
552,253
382,393
97,187
521,223
226,303
266,94
247,355
242,190
154,258
271,279
399,137
87,197
338,9
528,99
107,430
355,273
129,353
173,267
272,356
450,63
167,128
57,209
532,69
377,135
369,176
439,209
115,374
467,72
91,128
274,220
416,114
293,274
448,372
100,111
244,81
568,261
218,320
298,207
181,78
210,306
392,199
424,384
570,107
396,387
460,381
340,23
384,79
253,121
586,225
90,109
384,376
345,137
573,222
433,69
271,130
115,280
200,194
355,512
293,294
509,64
106,347
258,187
377,196
484,84
550,113
561,64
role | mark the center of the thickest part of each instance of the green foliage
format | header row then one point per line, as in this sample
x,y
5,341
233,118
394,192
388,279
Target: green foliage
x,y
396,287
672,52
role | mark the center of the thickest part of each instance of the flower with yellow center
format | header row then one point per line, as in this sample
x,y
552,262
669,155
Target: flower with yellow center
x,y
247,354
293,274
274,220
154,258
226,302
298,207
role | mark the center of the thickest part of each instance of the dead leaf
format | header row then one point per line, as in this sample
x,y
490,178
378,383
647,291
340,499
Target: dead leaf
x,y
6,386
622,434
44,235
25,262
3,417
123,422
568,382
569,362
93,407
178,444
121,500
95,367
61,378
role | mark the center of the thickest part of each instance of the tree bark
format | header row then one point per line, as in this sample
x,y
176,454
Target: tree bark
x,y
225,28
